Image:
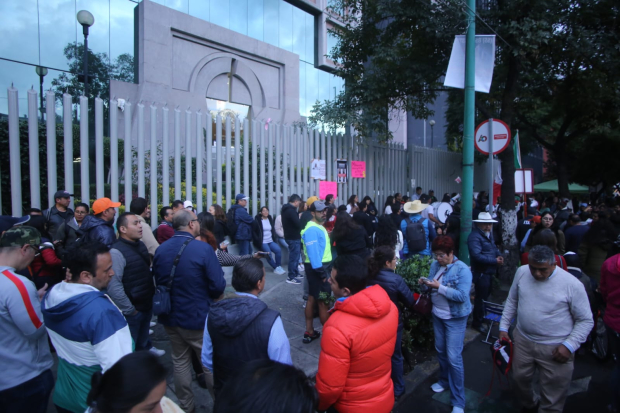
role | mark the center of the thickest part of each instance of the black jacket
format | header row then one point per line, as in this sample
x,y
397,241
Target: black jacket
x,y
96,229
353,244
362,219
257,231
239,327
54,220
290,222
68,232
220,230
396,289
137,277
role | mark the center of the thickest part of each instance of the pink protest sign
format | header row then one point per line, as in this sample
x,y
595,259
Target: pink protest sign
x,y
326,188
358,169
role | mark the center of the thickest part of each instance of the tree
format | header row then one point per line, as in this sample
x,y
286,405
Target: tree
x,y
391,55
556,66
100,71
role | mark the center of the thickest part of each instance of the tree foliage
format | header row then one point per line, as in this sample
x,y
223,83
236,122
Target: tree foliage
x,y
391,55
100,71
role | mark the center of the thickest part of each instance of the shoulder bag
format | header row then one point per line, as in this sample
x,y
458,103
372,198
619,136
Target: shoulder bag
x,y
424,304
161,299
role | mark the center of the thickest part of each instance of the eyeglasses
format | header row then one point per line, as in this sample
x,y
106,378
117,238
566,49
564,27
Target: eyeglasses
x,y
194,220
547,219
35,249
442,255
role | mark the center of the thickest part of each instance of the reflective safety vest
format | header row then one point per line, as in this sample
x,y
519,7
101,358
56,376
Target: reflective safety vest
x,y
327,253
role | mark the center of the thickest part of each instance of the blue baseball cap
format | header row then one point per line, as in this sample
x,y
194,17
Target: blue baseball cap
x,y
239,197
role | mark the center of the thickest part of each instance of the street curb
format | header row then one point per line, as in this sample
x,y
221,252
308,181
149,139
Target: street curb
x,y
423,371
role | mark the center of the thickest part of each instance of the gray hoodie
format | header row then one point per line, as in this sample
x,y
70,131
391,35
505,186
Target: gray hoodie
x,y
24,350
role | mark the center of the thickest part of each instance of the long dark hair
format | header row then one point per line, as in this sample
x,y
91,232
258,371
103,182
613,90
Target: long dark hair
x,y
206,230
376,262
219,212
351,200
367,198
389,201
126,384
386,234
344,226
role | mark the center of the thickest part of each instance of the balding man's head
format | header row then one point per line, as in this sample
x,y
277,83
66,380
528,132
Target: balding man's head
x,y
185,220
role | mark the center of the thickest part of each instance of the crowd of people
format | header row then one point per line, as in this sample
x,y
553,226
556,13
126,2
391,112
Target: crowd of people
x,y
87,284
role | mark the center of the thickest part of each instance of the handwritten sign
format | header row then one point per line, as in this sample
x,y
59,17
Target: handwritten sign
x,y
318,169
358,169
326,188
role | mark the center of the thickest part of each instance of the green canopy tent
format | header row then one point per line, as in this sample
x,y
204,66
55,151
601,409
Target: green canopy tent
x,y
553,186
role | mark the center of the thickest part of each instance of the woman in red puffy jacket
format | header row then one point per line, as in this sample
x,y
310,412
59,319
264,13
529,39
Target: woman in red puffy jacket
x,y
358,341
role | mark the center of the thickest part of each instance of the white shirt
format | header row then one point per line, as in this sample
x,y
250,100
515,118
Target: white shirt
x,y
429,210
441,306
388,210
267,238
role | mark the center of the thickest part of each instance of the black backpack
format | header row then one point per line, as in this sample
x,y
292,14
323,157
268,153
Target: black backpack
x,y
415,235
231,225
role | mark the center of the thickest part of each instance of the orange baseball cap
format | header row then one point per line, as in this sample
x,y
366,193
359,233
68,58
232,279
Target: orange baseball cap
x,y
102,204
537,219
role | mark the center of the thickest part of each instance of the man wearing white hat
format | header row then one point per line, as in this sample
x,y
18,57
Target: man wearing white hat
x,y
484,257
418,232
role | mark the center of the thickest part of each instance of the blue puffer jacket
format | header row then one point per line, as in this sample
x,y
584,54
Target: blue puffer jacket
x,y
455,286
96,229
482,252
198,280
244,223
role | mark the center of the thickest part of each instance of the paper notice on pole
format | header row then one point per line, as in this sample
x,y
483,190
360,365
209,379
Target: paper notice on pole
x,y
358,169
341,171
326,188
485,62
317,169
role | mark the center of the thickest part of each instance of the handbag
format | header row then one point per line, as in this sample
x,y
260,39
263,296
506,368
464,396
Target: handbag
x,y
424,304
161,299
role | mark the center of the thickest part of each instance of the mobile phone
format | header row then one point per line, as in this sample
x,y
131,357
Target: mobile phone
x,y
425,280
224,244
262,253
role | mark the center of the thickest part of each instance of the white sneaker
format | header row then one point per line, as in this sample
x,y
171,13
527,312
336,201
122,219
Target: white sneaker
x,y
279,270
457,410
153,324
437,388
157,351
150,331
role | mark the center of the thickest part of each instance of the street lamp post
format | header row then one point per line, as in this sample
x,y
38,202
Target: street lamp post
x,y
86,19
41,71
432,123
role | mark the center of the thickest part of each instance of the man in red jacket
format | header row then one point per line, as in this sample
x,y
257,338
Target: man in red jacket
x,y
357,345
610,289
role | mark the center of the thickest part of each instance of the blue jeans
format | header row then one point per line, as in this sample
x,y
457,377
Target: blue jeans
x,y
139,328
294,251
483,290
273,247
29,396
244,246
397,364
449,336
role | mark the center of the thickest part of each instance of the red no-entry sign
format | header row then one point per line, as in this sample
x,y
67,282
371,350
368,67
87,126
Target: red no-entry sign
x,y
501,137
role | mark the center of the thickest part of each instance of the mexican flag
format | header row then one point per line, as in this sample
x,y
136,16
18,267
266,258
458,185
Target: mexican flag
x,y
497,180
517,151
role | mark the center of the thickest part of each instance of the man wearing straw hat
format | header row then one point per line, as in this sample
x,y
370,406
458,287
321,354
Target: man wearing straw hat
x,y
416,223
485,258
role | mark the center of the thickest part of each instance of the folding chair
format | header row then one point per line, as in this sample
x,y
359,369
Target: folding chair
x,y
493,313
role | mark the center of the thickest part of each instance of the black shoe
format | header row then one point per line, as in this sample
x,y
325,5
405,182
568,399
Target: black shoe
x,y
308,338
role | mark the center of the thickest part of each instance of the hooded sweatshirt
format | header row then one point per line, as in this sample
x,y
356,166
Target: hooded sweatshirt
x,y
610,288
290,222
89,333
356,349
239,329
24,351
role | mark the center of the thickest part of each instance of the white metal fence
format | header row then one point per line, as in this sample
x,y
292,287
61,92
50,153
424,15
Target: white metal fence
x,y
274,166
